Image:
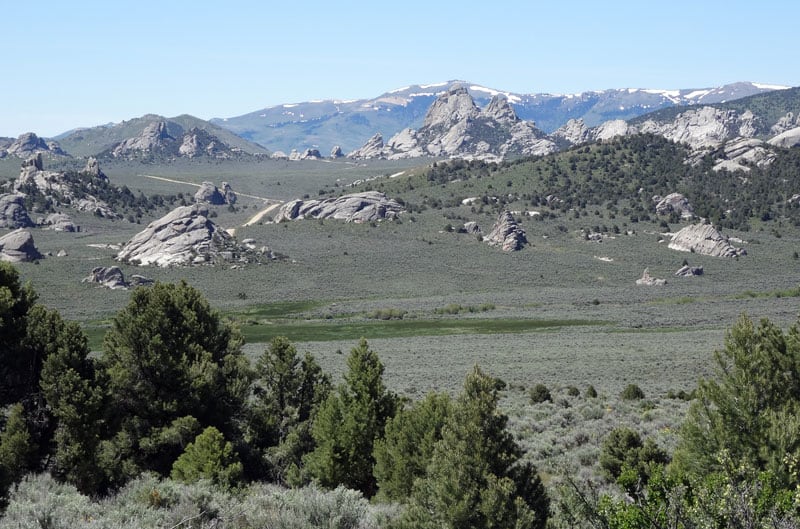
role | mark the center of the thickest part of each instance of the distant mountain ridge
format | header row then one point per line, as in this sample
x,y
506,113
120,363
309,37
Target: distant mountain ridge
x,y
171,132
350,123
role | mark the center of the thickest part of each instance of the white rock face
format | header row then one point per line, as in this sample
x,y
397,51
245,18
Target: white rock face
x,y
704,127
787,122
153,138
574,132
674,202
740,154
612,129
184,236
787,139
357,207
29,144
455,127
506,234
704,239
373,148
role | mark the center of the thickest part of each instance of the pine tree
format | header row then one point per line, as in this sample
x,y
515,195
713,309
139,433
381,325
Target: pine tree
x,y
475,478
348,424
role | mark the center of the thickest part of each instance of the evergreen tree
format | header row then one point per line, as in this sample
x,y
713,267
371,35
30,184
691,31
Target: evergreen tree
x,y
17,450
174,367
747,415
209,457
287,392
348,424
19,367
475,478
407,448
73,395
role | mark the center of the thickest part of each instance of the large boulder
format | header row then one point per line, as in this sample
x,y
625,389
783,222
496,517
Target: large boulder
x,y
704,239
357,207
13,213
689,271
741,154
373,148
107,276
155,138
209,194
18,246
184,236
506,234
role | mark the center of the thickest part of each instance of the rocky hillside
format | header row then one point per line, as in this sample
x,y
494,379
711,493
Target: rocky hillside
x,y
455,126
350,123
181,136
739,135
29,144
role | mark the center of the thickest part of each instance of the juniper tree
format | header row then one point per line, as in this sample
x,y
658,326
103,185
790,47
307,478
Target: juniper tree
x,y
746,416
287,393
174,367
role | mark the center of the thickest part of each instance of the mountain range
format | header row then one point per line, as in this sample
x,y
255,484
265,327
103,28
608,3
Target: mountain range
x,y
325,124
445,119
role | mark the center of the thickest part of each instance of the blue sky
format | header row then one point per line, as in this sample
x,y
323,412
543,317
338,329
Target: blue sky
x,y
85,63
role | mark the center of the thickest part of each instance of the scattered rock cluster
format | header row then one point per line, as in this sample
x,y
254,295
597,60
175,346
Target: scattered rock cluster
x,y
649,281
157,140
29,144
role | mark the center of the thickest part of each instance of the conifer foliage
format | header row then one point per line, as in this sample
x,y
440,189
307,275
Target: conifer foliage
x,y
475,477
349,423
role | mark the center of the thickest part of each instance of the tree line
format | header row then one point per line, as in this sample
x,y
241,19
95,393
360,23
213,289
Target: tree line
x,y
172,394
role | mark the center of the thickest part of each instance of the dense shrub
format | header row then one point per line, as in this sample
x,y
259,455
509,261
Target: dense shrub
x,y
539,393
632,392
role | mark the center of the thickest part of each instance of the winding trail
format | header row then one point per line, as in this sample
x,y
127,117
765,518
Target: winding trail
x,y
272,204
